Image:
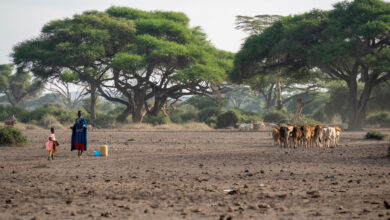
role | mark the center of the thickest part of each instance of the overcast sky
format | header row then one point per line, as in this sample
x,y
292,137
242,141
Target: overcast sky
x,y
23,19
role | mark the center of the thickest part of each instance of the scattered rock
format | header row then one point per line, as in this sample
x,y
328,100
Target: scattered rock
x,y
261,171
251,207
200,165
365,210
106,214
341,208
8,201
264,206
314,193
282,196
196,210
69,201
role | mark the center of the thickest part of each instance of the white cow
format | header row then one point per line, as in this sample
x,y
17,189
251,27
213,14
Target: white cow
x,y
329,136
245,127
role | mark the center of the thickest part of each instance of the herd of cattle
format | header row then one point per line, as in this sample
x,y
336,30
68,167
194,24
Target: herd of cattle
x,y
308,136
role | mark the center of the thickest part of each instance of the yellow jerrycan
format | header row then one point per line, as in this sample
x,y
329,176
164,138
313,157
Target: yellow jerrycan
x,y
104,150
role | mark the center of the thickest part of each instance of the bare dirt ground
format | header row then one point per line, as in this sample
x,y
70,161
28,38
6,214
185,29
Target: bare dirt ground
x,y
188,175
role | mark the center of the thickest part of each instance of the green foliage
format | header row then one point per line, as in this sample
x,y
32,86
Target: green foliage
x,y
201,102
105,121
381,118
61,115
156,120
48,121
206,113
189,116
12,136
375,135
228,119
212,121
17,86
306,121
320,114
274,116
7,111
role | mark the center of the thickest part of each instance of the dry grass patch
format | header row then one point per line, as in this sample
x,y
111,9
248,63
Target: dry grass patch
x,y
170,126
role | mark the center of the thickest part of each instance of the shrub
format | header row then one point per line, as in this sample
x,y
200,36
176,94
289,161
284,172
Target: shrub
x,y
189,116
306,121
105,121
206,113
376,135
275,117
227,119
12,136
49,121
212,121
160,119
381,118
7,111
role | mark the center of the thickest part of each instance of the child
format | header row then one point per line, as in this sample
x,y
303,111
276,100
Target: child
x,y
51,144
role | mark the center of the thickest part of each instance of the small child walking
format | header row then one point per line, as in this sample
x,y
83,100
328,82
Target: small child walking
x,y
51,144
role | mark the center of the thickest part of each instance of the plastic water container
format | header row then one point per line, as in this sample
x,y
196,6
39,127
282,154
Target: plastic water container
x,y
104,150
96,153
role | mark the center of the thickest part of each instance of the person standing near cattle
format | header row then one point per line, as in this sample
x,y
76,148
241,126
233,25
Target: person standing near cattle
x,y
79,135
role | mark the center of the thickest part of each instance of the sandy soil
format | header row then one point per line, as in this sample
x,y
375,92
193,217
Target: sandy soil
x,y
194,175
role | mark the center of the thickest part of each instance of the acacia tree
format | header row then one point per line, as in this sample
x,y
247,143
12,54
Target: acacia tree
x,y
167,60
84,44
269,82
17,86
350,43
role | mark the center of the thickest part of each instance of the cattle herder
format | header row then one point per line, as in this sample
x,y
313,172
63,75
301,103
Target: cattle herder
x,y
79,135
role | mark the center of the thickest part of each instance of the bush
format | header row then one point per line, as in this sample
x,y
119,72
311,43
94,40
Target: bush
x,y
381,118
306,121
160,119
7,111
212,121
206,113
105,121
49,121
12,136
189,116
227,119
275,117
376,135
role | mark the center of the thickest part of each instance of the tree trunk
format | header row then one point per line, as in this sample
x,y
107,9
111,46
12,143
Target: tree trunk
x,y
137,115
12,102
123,116
298,113
138,102
278,93
93,103
357,108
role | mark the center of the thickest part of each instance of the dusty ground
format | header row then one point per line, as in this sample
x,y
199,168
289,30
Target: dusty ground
x,y
183,174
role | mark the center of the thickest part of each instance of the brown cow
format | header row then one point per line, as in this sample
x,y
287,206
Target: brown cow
x,y
296,136
275,135
317,135
307,134
338,134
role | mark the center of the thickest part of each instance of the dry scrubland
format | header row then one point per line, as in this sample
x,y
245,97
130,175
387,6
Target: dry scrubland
x,y
167,174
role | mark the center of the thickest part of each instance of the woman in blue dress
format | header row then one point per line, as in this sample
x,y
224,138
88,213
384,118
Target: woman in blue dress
x,y
79,135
